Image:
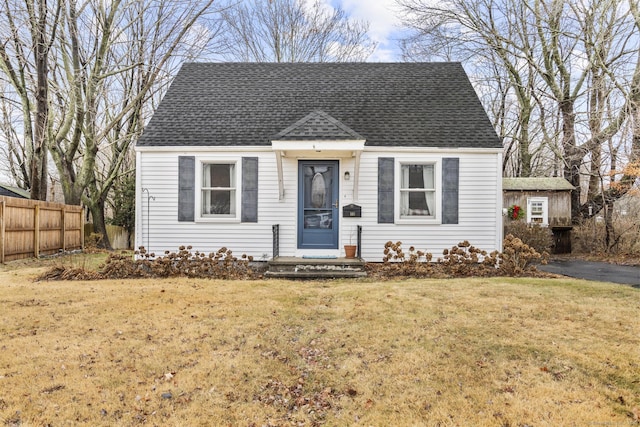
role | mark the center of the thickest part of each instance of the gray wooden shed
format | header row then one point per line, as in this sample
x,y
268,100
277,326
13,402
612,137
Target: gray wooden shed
x,y
544,201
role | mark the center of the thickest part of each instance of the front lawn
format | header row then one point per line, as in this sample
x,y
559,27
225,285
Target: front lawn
x,y
463,352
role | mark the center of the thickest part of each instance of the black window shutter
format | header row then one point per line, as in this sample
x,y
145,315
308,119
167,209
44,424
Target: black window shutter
x,y
249,189
385,190
186,187
450,181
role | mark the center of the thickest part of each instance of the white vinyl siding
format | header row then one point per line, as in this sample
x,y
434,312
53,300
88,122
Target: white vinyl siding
x,y
480,203
158,229
157,226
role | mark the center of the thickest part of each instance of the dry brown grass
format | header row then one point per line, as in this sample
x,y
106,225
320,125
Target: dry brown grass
x,y
499,352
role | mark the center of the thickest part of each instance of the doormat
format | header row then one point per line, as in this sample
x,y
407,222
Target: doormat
x,y
319,256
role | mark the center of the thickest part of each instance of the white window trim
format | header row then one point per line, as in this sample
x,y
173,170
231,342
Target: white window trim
x,y
198,196
545,210
437,170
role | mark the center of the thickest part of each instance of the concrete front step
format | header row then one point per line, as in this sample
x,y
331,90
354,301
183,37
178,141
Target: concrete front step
x,y
315,268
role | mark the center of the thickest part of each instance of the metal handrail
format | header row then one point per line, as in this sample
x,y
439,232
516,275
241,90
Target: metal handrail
x,y
275,229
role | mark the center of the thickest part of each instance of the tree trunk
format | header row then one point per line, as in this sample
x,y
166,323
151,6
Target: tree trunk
x,y
96,208
594,174
610,233
573,157
525,155
39,176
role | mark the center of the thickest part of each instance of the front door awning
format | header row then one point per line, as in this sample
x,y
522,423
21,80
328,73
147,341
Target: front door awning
x,y
315,136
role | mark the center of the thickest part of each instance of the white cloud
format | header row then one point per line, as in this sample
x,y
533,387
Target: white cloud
x,y
384,25
382,54
380,14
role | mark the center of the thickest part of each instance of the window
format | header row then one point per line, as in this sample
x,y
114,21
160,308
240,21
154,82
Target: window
x,y
218,197
537,210
417,191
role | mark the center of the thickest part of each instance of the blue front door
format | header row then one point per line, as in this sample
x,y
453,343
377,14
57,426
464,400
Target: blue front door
x,y
318,204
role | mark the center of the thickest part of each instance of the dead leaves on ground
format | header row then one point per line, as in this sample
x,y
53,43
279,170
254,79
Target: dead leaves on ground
x,y
304,398
557,373
53,388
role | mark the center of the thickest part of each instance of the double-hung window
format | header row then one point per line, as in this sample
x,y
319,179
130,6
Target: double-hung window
x,y
218,190
417,191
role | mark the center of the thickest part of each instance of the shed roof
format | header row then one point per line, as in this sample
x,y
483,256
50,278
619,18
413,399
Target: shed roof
x,y
388,104
539,184
9,190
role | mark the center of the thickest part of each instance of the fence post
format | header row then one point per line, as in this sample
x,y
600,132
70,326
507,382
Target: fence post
x,y
64,228
81,213
2,214
36,232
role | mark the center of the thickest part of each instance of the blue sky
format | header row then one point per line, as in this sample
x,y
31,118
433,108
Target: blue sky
x,y
384,26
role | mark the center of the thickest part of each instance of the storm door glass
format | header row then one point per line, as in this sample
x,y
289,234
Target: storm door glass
x,y
318,204
318,197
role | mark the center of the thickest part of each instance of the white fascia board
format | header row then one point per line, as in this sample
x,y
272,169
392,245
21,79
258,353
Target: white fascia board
x,y
385,149
296,146
318,146
203,149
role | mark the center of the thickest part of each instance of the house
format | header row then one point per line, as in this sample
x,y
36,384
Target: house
x,y
296,159
543,201
11,191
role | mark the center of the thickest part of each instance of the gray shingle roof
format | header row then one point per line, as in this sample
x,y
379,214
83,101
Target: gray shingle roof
x,y
533,184
388,104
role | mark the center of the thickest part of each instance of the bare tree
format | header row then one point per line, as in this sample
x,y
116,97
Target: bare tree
x,y
571,65
12,150
491,35
90,72
117,58
292,31
25,45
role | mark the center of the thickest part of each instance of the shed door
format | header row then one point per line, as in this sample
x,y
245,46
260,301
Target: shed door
x,y
318,204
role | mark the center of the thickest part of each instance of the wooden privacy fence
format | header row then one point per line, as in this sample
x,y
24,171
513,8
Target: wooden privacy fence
x,y
31,228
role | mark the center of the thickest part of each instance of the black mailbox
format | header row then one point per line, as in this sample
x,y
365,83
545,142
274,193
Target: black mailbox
x,y
351,211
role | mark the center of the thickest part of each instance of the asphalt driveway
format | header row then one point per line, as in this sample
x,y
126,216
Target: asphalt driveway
x,y
591,270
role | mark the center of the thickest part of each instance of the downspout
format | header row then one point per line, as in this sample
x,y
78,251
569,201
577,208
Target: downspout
x,y
500,201
139,219
280,178
356,176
